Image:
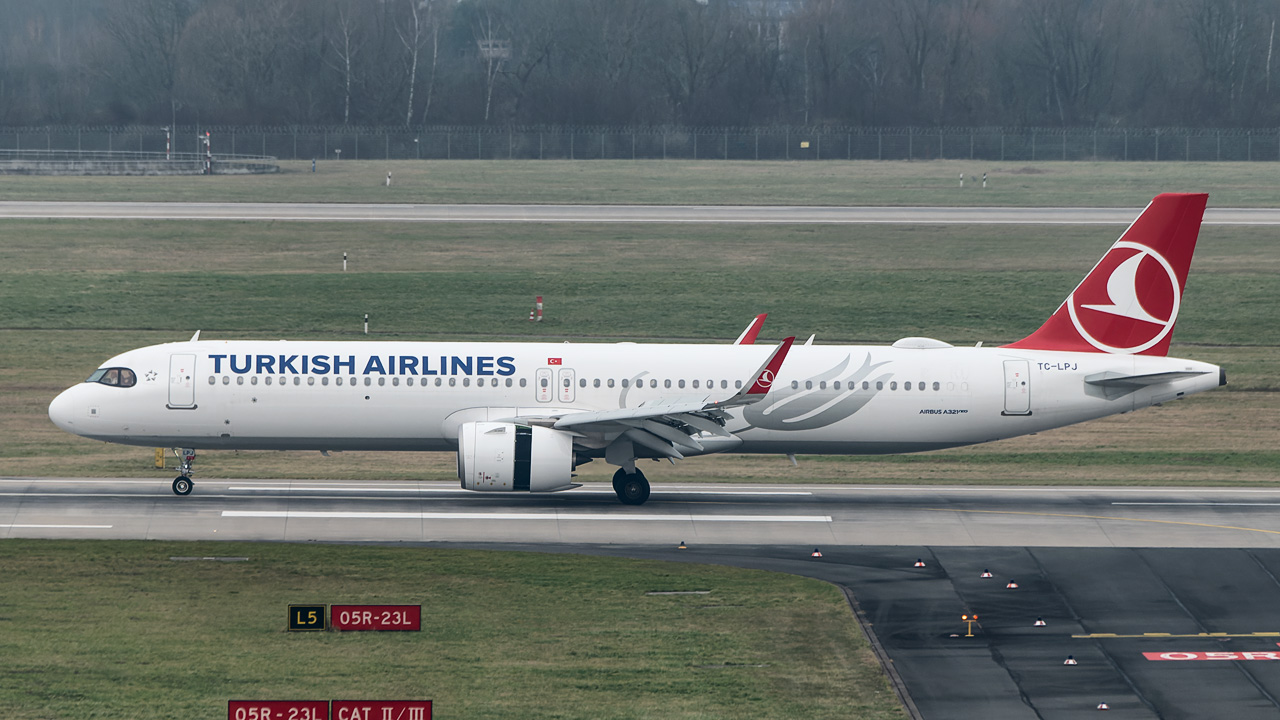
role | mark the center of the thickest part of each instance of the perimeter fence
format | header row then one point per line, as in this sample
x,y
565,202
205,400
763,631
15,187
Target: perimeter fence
x,y
668,143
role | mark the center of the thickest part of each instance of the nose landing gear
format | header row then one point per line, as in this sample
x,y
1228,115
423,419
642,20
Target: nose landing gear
x,y
182,484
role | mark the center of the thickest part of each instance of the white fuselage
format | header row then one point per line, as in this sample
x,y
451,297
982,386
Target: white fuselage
x,y
415,395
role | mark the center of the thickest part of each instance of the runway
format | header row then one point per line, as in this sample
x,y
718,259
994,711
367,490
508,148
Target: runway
x,y
1165,599
338,212
334,511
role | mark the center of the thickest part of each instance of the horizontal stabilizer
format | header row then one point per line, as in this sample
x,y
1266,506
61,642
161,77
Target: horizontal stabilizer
x,y
1115,379
1113,385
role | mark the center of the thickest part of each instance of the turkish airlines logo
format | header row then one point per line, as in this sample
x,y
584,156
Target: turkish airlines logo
x,y
1129,302
766,379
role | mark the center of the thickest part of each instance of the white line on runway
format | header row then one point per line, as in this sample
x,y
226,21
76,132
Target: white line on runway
x,y
61,527
460,491
324,515
1213,504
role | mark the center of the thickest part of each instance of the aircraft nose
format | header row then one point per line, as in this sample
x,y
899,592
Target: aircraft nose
x,y
62,410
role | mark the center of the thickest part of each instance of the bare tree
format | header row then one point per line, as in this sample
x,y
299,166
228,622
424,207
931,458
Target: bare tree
x,y
345,40
1224,33
1068,44
149,33
495,49
413,30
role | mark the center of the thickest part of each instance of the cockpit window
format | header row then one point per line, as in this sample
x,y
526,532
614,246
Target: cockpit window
x,y
115,377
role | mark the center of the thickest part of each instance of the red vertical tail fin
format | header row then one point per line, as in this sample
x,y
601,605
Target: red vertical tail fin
x,y
1129,302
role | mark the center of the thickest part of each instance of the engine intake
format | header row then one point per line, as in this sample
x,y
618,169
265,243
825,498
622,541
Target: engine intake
x,y
506,457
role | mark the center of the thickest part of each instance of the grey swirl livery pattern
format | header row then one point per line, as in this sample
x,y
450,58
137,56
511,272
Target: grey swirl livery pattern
x,y
806,408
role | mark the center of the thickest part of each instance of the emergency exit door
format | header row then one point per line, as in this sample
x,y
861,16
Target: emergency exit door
x,y
182,381
1017,387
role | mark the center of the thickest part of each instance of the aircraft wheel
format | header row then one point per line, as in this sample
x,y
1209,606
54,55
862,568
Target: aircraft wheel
x,y
633,489
618,477
182,485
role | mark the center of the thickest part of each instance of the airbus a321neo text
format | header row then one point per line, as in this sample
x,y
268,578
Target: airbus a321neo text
x,y
522,416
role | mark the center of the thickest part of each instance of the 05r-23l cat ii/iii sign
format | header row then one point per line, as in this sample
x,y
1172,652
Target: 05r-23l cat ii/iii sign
x,y
522,416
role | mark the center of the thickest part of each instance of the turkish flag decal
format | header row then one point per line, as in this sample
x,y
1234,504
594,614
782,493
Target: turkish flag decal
x,y
554,361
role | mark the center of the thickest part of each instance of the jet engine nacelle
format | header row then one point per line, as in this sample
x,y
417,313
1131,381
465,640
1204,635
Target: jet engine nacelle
x,y
507,457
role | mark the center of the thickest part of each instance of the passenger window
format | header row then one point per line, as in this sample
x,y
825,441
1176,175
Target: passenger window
x,y
795,384
835,385
595,383
408,381
906,385
311,380
297,380
253,380
466,382
508,382
808,384
583,382
893,385
226,379
879,384
737,384
680,384
523,382
453,382
666,384
609,382
266,380
368,381
324,380
239,379
382,381
212,379
724,384
937,386
336,381
654,383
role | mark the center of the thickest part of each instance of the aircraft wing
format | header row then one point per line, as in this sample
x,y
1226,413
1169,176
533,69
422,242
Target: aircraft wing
x,y
749,334
666,424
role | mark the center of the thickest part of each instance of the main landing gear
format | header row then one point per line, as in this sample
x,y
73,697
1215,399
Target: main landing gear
x,y
632,488
182,484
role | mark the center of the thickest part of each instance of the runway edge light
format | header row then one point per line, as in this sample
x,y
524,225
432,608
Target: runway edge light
x,y
1013,585
1040,623
987,574
1103,706
1071,660
816,553
919,562
682,546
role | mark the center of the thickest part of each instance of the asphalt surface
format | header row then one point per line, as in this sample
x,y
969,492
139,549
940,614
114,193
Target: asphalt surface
x,y
612,213
1106,608
1115,573
307,510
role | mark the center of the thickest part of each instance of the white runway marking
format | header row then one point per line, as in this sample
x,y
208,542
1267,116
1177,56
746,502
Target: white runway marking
x,y
611,517
1211,504
60,527
460,491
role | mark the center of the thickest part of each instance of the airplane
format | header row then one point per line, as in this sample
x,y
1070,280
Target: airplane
x,y
523,416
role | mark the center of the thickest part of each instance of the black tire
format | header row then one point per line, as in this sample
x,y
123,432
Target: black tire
x,y
182,485
618,477
634,489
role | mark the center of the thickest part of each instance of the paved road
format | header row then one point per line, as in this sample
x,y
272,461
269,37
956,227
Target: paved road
x,y
611,213
719,514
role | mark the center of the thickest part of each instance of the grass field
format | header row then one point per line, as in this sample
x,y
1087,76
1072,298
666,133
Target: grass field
x,y
68,303
118,630
1109,184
